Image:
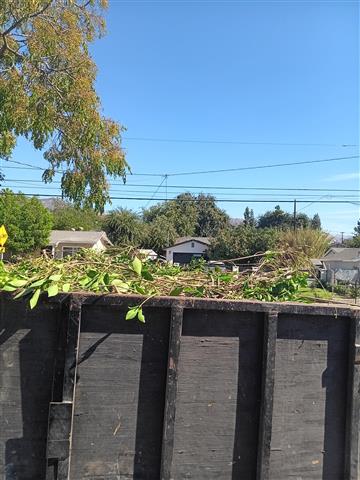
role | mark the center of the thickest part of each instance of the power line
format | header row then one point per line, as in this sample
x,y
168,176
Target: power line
x,y
258,167
213,187
162,181
234,142
309,196
254,167
225,200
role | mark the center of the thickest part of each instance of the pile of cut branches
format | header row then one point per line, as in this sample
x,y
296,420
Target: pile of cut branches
x,y
279,276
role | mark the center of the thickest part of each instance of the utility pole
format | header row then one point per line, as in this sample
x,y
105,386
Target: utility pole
x,y
342,238
294,219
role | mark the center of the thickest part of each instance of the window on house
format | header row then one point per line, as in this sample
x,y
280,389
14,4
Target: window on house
x,y
192,244
68,251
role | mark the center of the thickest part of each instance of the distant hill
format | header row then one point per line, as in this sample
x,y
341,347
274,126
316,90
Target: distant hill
x,y
51,203
236,221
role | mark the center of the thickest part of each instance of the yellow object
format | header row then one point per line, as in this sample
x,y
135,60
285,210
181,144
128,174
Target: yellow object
x,y
2,249
3,236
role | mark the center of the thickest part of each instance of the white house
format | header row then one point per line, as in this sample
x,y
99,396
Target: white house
x,y
340,263
187,248
342,258
67,242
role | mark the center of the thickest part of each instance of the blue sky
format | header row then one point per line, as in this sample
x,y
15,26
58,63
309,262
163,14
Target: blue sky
x,y
262,72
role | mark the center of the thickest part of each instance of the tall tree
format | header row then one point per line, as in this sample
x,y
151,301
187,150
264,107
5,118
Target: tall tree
x,y
277,218
47,94
355,240
66,217
316,222
180,212
160,234
124,227
357,228
210,218
241,241
190,215
249,218
26,220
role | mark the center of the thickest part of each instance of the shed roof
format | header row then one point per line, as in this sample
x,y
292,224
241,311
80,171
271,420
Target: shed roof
x,y
70,236
204,240
342,254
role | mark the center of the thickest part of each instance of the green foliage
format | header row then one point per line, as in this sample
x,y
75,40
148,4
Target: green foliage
x,y
210,218
124,227
189,215
249,218
26,220
316,222
277,218
354,242
160,233
276,279
309,242
180,213
47,94
357,228
242,241
66,216
284,288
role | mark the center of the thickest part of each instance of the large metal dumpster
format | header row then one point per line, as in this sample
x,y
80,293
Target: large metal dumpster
x,y
206,389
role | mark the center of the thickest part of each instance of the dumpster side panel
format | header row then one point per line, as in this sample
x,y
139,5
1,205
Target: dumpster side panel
x,y
309,416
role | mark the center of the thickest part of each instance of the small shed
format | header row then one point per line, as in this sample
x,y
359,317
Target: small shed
x,y
187,248
68,242
148,254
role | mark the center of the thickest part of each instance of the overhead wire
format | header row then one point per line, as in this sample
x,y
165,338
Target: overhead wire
x,y
237,169
208,187
225,200
235,142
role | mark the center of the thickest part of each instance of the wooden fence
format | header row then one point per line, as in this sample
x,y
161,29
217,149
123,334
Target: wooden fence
x,y
205,389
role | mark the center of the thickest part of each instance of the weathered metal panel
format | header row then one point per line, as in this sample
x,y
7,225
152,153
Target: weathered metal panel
x,y
120,395
206,389
309,418
218,398
28,346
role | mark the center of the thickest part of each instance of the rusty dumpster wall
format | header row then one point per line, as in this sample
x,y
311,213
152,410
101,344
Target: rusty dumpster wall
x,y
204,390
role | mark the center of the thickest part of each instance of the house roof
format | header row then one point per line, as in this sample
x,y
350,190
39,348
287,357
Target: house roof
x,y
342,254
70,236
316,262
180,240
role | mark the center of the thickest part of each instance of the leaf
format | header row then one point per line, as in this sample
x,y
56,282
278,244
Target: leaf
x,y
66,287
147,275
106,279
140,290
176,291
9,288
34,299
53,290
137,265
84,281
131,313
92,273
55,278
119,285
18,282
141,316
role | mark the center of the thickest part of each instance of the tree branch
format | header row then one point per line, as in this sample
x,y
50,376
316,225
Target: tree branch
x,y
26,17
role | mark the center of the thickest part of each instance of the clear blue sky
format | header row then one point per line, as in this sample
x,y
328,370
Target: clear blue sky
x,y
281,72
